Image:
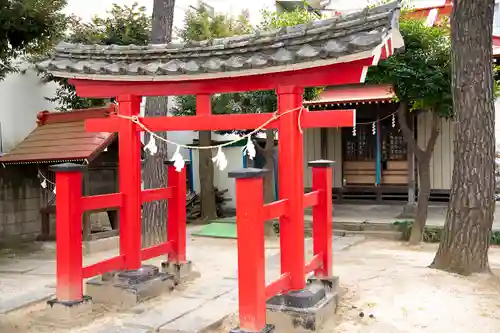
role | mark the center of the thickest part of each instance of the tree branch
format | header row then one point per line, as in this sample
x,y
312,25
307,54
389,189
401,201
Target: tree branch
x,y
407,132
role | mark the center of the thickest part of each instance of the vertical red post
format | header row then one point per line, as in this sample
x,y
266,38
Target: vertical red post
x,y
291,185
251,255
203,104
69,231
129,170
176,213
322,215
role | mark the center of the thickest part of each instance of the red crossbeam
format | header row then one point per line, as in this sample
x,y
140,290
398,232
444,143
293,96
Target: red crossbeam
x,y
96,202
280,285
156,194
156,251
309,119
104,266
274,209
311,199
315,263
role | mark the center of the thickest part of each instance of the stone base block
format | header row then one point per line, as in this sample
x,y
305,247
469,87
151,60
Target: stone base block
x,y
409,212
267,329
182,272
69,310
127,288
306,310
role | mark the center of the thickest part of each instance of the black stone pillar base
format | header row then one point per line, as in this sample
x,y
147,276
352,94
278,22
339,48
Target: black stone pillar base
x,y
69,310
267,329
182,272
304,310
127,288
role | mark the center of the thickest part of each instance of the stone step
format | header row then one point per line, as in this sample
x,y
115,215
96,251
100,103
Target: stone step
x,y
389,235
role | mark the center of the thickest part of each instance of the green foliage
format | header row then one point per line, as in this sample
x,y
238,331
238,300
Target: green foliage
x,y
274,20
421,74
122,25
28,28
199,26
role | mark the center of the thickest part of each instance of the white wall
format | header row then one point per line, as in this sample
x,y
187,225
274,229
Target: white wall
x,y
22,96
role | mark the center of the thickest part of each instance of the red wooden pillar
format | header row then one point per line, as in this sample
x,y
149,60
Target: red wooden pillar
x,y
322,215
176,214
251,255
69,231
129,169
291,186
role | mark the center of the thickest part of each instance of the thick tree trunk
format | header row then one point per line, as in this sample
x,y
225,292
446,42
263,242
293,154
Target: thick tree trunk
x,y
206,172
155,213
269,195
466,236
423,158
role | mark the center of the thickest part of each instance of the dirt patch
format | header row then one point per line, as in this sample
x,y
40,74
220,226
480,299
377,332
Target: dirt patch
x,y
388,289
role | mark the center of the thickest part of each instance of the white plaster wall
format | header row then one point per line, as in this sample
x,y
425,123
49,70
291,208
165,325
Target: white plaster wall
x,y
22,96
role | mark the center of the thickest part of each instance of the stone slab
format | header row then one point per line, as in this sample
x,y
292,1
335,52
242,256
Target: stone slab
x,y
18,267
25,299
116,328
207,317
48,268
164,313
210,289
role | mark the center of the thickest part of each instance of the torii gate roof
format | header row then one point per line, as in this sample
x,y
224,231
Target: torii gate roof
x,y
341,39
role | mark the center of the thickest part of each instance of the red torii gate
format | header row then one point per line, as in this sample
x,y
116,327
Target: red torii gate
x,y
330,52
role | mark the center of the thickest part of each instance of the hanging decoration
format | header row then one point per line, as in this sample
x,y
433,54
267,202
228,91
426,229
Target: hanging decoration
x,y
250,149
354,130
45,182
151,146
219,159
178,160
374,128
393,120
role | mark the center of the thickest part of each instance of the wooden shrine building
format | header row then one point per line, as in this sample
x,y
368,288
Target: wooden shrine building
x,y
60,137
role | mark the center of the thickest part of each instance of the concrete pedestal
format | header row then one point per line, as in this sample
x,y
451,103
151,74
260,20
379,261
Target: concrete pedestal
x,y
182,272
69,310
127,288
267,329
306,310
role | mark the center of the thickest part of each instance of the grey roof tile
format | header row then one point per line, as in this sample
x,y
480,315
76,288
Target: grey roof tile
x,y
303,44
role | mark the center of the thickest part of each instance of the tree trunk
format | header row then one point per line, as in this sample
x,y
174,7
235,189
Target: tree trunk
x,y
466,235
206,172
424,192
155,213
269,195
423,158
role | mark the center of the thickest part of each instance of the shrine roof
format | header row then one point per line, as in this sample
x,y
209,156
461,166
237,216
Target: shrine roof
x,y
355,94
340,39
61,137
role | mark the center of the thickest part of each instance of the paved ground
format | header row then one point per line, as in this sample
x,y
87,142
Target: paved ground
x,y
390,213
27,278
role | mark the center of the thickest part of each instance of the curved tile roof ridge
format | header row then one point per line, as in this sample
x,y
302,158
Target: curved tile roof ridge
x,y
303,45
